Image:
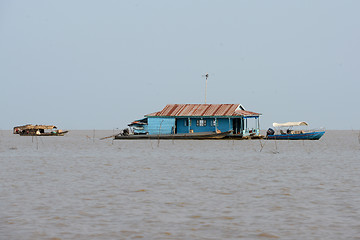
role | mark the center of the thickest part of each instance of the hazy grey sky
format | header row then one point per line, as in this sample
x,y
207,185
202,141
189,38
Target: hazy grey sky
x,y
101,64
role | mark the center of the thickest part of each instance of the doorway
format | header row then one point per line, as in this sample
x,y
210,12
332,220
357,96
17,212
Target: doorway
x,y
237,125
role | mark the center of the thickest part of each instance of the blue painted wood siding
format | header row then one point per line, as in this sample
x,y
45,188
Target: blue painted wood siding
x,y
166,125
181,128
160,125
222,124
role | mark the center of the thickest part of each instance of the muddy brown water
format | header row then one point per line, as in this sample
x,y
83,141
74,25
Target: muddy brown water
x,y
78,187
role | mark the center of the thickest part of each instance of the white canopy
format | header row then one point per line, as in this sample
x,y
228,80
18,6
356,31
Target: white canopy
x,y
290,124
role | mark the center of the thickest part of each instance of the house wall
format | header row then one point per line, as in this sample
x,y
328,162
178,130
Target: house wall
x,y
160,125
166,125
207,128
180,125
223,125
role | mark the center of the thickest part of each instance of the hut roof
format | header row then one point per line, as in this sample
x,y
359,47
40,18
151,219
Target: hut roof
x,y
30,126
184,110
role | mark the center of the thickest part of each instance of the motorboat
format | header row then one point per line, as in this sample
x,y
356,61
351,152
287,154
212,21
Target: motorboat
x,y
290,131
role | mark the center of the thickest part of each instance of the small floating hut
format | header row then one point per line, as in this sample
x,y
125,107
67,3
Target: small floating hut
x,y
38,130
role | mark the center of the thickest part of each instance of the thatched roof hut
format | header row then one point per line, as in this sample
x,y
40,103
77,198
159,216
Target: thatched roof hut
x,y
34,127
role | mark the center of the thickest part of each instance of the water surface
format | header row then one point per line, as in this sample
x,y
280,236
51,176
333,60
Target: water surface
x,y
78,187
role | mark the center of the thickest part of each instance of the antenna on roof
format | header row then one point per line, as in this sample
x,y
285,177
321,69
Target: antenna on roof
x,y
206,78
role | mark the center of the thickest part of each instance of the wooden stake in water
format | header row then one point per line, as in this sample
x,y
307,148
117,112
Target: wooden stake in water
x,y
159,133
276,147
261,145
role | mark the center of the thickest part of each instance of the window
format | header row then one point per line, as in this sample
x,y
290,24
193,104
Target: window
x,y
201,123
214,123
186,122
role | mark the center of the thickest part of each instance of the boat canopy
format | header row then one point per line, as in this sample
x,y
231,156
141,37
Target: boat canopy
x,y
35,127
290,124
143,121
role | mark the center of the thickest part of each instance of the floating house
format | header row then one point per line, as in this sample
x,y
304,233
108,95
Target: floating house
x,y
199,118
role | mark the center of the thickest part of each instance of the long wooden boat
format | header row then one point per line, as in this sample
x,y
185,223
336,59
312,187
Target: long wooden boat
x,y
184,136
61,133
242,137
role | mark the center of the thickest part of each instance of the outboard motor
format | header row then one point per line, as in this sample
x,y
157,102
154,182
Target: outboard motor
x,y
125,132
270,131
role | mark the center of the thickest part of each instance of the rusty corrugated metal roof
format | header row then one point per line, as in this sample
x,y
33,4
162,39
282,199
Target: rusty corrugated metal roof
x,y
184,110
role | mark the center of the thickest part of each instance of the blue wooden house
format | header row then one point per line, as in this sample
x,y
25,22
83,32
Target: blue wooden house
x,y
193,118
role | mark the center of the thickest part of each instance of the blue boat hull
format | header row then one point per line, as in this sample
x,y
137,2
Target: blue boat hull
x,y
300,136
